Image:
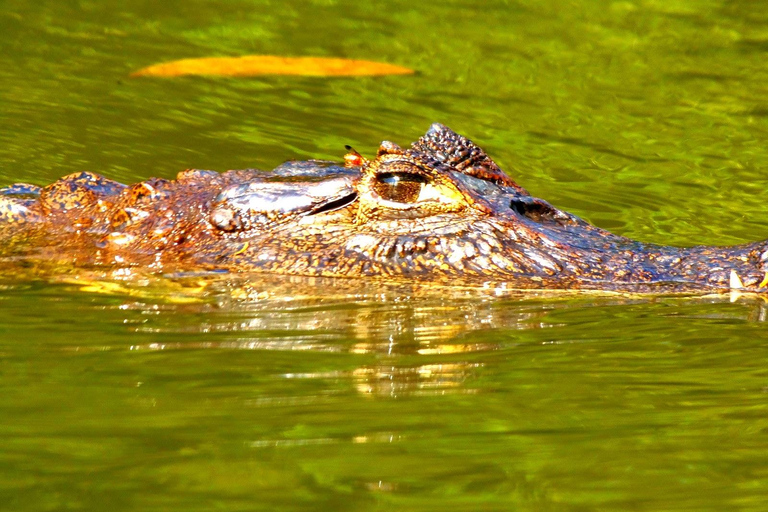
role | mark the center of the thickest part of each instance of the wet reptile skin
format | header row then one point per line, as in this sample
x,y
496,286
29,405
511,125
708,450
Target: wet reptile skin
x,y
440,211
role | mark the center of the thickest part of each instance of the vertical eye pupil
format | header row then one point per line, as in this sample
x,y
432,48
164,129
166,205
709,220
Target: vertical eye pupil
x,y
399,187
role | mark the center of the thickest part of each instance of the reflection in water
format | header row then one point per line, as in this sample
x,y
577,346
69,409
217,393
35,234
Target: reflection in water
x,y
422,379
414,339
417,335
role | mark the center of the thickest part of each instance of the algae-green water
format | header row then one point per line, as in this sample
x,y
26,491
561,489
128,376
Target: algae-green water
x,y
648,118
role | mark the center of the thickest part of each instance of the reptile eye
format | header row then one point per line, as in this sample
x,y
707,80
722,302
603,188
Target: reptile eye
x,y
400,187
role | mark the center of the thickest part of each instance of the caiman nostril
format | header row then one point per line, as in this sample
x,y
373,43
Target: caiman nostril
x,y
539,211
532,210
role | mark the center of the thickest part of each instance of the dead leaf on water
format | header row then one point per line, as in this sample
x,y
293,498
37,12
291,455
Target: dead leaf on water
x,y
252,65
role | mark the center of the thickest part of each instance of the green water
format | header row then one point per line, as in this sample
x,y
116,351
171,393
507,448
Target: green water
x,y
649,118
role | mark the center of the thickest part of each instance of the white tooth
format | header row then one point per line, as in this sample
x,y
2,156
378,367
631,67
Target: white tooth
x,y
736,283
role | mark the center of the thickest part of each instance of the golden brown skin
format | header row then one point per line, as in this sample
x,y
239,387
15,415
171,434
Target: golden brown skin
x,y
440,211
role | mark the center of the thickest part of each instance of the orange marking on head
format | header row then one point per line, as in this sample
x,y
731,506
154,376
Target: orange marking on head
x,y
353,158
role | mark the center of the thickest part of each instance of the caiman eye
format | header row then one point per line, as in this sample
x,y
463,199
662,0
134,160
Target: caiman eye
x,y
400,187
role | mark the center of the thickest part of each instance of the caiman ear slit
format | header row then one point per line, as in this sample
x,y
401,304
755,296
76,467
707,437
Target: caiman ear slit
x,y
389,148
336,204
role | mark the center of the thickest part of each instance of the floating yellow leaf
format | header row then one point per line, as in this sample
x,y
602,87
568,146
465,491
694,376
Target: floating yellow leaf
x,y
251,65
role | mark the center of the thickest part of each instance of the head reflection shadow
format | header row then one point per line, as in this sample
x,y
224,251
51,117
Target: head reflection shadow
x,y
413,339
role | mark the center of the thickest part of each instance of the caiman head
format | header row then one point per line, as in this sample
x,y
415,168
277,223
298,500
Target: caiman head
x,y
442,210
439,211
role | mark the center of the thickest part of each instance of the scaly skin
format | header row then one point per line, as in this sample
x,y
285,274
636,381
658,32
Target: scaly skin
x,y
441,211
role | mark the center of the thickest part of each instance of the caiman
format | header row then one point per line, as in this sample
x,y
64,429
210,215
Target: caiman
x,y
440,211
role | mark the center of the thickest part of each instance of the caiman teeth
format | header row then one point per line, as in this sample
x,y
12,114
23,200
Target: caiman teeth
x,y
736,283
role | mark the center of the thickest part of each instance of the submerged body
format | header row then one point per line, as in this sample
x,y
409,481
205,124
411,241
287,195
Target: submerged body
x,y
439,211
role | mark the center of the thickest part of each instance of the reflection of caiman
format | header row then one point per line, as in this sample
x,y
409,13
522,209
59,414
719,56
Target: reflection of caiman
x,y
441,211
